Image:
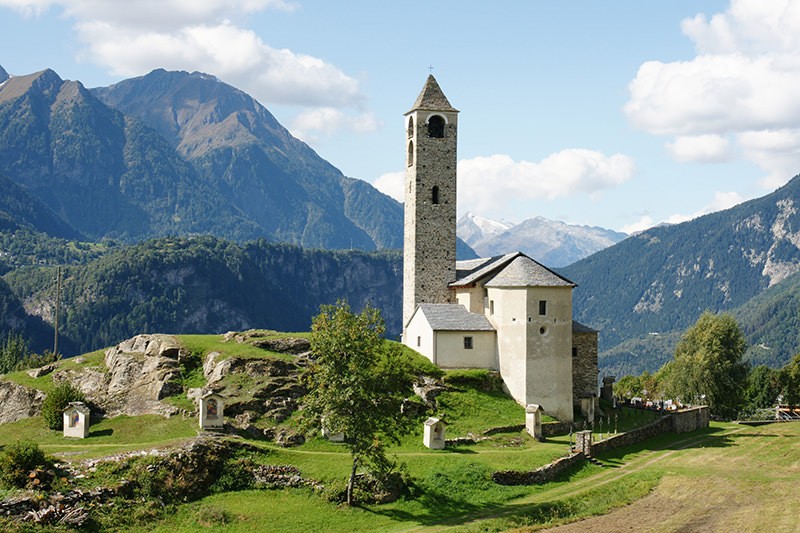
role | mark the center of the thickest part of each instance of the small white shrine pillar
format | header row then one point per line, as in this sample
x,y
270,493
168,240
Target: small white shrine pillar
x,y
533,421
212,408
433,437
76,420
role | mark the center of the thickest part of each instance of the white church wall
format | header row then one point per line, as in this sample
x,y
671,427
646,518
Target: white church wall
x,y
549,349
419,336
452,352
507,313
471,298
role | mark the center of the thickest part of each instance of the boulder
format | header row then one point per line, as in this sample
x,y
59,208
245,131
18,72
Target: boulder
x,y
141,372
18,402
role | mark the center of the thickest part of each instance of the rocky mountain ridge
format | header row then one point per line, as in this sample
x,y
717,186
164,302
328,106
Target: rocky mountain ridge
x,y
660,280
174,153
551,242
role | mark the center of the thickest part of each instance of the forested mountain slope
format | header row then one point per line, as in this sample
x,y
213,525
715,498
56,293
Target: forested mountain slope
x,y
207,285
661,280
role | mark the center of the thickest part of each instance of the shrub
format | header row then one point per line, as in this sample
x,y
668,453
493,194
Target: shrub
x,y
18,460
56,401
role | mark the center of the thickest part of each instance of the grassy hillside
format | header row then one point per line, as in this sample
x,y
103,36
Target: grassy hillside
x,y
450,489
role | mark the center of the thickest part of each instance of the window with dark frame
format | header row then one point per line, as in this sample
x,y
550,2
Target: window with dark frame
x,y
467,343
542,307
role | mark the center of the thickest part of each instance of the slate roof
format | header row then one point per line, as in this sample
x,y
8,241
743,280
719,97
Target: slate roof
x,y
453,317
510,270
432,98
523,271
472,270
577,327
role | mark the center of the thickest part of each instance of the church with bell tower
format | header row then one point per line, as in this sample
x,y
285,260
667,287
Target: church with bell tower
x,y
507,313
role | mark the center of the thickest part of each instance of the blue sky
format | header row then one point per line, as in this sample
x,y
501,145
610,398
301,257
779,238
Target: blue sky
x,y
618,114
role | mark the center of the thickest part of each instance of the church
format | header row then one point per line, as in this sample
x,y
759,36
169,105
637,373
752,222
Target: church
x,y
507,313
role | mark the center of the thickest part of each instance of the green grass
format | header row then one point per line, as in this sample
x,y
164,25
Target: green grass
x,y
452,488
93,360
110,435
203,345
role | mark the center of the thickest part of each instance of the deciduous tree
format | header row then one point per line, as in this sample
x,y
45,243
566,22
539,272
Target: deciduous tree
x,y
708,366
356,386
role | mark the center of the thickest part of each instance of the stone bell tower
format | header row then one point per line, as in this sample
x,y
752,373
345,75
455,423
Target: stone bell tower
x,y
429,246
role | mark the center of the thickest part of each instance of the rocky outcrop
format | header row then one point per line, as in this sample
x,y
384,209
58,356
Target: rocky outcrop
x,y
141,372
18,402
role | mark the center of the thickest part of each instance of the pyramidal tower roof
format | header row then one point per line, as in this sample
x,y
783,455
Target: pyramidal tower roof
x,y
432,98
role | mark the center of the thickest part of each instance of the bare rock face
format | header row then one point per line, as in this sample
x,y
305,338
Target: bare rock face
x,y
141,372
18,402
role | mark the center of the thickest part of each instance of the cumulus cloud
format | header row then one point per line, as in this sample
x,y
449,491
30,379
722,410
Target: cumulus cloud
x,y
391,184
204,36
720,201
742,85
644,222
485,184
702,148
328,120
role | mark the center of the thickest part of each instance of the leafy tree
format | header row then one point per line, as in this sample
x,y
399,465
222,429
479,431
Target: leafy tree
x,y
56,401
708,366
790,381
763,388
357,385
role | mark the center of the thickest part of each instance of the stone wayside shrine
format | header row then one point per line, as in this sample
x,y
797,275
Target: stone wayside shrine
x,y
76,420
507,313
212,408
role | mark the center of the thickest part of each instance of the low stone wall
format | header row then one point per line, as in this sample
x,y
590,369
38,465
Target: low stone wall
x,y
687,420
551,429
544,474
683,421
634,436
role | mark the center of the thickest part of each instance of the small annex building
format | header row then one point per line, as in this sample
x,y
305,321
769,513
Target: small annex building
x,y
507,313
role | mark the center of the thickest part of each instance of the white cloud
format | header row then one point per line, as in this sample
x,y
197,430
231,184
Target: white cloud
x,y
701,148
720,201
28,8
327,120
391,184
487,183
644,222
776,151
142,35
742,84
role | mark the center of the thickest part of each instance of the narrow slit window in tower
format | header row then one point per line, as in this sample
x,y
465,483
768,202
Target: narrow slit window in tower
x,y
410,153
410,127
435,195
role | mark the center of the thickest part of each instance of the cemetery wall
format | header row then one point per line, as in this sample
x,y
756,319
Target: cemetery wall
x,y
541,475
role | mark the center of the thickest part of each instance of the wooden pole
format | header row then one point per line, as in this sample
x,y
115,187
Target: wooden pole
x,y
58,309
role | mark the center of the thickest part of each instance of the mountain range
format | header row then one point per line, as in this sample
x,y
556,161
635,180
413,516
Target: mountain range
x,y
551,242
655,284
176,153
163,196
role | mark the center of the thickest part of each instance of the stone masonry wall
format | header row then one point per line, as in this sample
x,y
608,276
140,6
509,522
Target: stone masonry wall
x,y
584,366
429,245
